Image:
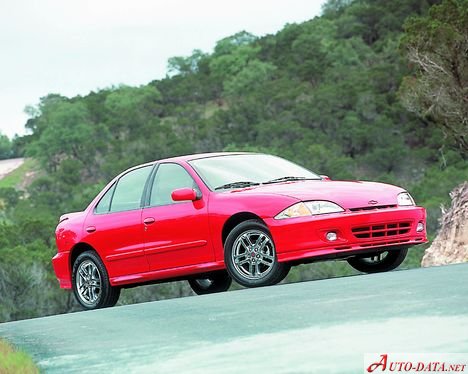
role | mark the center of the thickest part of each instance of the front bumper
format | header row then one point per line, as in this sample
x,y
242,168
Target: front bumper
x,y
305,237
61,263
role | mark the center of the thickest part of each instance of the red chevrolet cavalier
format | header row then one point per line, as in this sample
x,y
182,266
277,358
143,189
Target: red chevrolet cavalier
x,y
210,218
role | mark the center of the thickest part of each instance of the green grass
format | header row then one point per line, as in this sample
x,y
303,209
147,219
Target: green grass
x,y
13,361
17,176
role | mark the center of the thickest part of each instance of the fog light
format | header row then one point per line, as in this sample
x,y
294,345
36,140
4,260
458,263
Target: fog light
x,y
420,227
331,236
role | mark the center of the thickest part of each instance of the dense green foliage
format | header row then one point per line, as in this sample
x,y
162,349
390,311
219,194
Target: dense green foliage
x,y
5,147
322,93
438,47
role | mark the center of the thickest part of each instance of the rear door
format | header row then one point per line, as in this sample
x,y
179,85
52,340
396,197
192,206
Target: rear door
x,y
176,233
115,225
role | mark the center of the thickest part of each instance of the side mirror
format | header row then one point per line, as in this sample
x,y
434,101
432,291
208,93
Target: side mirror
x,y
184,194
325,177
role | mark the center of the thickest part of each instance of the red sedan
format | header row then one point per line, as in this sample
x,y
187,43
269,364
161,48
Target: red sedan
x,y
210,218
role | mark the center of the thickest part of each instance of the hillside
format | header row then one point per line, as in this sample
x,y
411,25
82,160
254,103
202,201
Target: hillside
x,y
324,93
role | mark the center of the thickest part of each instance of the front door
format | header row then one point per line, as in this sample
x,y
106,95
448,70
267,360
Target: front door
x,y
176,233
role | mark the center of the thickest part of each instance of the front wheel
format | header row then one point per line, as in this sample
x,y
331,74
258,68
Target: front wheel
x,y
219,281
250,256
91,284
379,262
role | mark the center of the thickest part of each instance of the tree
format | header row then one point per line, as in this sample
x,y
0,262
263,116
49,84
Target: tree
x,y
227,45
185,65
66,131
251,76
5,147
333,8
228,64
130,107
437,46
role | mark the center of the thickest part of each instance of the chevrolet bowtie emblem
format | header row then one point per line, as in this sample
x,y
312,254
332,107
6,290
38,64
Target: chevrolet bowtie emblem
x,y
372,202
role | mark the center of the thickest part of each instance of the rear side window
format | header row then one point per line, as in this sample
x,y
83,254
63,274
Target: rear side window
x,y
129,190
104,204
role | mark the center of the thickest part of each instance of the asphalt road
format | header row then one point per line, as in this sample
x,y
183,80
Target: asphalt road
x,y
309,327
7,166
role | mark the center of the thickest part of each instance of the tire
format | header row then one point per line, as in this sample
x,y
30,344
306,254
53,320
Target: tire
x,y
379,262
219,281
250,256
92,288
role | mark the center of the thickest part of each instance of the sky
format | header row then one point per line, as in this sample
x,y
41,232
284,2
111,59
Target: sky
x,y
73,47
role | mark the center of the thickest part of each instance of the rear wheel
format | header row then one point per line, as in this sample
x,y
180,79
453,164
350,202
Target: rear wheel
x,y
250,256
379,262
219,281
91,284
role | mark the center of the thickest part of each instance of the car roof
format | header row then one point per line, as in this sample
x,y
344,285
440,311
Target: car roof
x,y
198,156
186,158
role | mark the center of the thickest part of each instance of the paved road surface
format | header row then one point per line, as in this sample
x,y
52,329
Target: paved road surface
x,y
310,327
7,166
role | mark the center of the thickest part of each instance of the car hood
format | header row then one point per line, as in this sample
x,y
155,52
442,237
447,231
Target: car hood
x,y
348,194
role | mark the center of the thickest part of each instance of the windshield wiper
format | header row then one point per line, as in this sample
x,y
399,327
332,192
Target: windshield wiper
x,y
287,179
237,185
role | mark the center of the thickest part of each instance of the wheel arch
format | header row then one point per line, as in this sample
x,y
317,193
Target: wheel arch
x,y
78,249
234,220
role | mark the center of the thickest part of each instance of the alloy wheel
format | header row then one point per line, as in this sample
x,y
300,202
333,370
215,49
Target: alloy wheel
x,y
88,282
253,254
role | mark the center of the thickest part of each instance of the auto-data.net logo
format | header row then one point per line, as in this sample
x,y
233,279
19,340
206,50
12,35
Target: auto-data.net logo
x,y
416,363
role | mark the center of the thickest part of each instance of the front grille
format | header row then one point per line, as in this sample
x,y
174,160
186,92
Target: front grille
x,y
364,208
382,230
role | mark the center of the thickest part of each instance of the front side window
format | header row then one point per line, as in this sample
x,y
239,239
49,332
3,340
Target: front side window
x,y
169,177
129,190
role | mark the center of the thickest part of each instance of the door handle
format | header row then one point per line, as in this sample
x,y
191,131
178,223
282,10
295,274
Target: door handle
x,y
90,229
148,220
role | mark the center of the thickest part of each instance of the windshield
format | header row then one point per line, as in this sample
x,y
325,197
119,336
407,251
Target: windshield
x,y
244,170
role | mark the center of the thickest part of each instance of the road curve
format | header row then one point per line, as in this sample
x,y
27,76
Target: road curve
x,y
7,166
308,327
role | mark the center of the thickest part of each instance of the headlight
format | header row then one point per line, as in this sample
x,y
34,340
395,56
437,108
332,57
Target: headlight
x,y
309,208
405,199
